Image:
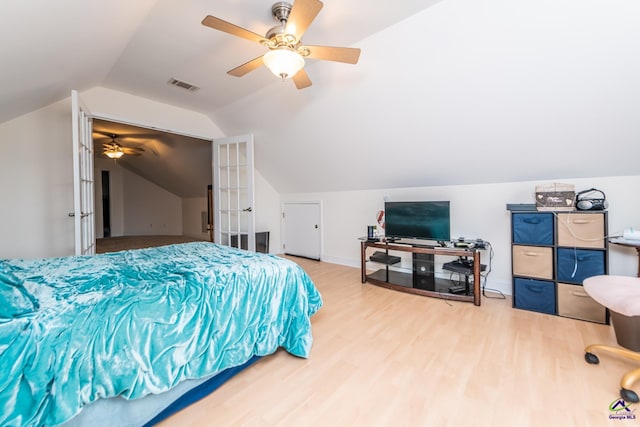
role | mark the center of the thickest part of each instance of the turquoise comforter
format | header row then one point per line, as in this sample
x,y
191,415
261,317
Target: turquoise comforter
x,y
131,323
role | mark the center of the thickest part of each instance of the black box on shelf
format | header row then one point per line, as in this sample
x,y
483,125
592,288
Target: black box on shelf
x,y
384,258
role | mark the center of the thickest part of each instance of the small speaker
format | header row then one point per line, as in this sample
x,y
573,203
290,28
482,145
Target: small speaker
x,y
423,272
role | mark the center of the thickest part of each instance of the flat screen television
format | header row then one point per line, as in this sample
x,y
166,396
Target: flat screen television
x,y
424,220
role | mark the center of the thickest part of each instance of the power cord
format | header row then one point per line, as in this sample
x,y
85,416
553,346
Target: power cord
x,y
486,273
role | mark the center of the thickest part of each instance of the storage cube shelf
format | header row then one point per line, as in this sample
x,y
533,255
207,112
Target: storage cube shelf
x,y
532,228
552,254
534,295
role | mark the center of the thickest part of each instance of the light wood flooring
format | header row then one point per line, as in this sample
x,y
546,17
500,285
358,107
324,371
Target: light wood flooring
x,y
386,358
121,243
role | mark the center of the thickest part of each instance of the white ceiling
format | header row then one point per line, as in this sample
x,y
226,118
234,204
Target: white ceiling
x,y
446,92
137,46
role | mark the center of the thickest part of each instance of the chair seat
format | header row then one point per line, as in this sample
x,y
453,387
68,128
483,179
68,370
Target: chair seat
x,y
620,294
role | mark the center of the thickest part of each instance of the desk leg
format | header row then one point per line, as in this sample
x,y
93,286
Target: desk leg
x,y
638,249
476,277
363,261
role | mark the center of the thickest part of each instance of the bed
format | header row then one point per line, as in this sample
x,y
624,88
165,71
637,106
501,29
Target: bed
x,y
77,333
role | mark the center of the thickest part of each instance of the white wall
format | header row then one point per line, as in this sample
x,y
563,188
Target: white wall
x,y
477,211
192,209
149,209
123,107
36,183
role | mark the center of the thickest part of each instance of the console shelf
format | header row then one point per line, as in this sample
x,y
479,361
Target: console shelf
x,y
424,283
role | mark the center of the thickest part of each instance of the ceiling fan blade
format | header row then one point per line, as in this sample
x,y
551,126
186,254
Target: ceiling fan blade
x,y
348,55
303,12
138,136
132,151
246,67
234,30
102,134
301,79
128,150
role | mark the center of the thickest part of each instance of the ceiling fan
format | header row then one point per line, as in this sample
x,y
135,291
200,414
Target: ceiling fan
x,y
286,54
113,149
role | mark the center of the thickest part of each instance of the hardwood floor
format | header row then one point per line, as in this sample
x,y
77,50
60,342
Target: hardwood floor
x,y
121,243
385,358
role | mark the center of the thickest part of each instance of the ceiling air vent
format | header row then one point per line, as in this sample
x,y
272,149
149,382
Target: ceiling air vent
x,y
183,85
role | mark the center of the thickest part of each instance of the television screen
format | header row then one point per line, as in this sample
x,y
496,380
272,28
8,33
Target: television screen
x,y
418,220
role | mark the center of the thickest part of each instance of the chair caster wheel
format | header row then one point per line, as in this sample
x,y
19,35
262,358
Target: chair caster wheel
x,y
629,395
591,358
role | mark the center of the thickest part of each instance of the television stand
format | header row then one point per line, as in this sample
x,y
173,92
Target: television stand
x,y
421,280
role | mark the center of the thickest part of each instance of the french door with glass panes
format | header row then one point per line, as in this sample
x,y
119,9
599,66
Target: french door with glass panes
x,y
83,191
234,218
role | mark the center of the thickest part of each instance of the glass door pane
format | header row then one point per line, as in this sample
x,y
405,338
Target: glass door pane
x,y
233,192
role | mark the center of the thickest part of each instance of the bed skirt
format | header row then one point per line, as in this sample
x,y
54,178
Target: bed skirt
x,y
152,409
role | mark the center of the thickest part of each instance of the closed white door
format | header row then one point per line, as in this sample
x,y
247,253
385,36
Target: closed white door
x,y
301,226
83,184
234,214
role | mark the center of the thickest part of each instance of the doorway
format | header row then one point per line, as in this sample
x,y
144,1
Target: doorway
x,y
301,229
106,206
157,188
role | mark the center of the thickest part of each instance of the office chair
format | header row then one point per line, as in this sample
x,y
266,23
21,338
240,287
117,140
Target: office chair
x,y
621,295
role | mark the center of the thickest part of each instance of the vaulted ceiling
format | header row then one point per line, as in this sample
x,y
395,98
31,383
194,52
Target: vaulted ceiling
x,y
137,46
446,91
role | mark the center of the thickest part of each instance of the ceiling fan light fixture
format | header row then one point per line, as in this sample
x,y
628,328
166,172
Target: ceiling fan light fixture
x,y
114,153
283,62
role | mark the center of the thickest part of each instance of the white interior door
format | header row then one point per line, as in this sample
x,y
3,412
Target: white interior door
x,y
301,229
234,213
83,184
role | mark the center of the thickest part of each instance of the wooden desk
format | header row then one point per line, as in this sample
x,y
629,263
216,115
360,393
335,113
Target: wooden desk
x,y
630,243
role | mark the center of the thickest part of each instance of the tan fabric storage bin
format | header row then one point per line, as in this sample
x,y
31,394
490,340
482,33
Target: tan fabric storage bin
x,y
533,261
581,230
574,302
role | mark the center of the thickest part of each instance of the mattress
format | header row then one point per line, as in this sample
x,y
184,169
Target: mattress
x,y
130,324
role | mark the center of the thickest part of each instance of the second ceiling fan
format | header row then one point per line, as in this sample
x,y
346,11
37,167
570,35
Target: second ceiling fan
x,y
111,146
286,54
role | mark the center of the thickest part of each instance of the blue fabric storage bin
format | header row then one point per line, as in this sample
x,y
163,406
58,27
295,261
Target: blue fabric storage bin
x,y
575,265
534,295
532,228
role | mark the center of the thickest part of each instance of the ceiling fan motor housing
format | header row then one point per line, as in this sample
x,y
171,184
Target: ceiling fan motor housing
x,y
281,11
276,35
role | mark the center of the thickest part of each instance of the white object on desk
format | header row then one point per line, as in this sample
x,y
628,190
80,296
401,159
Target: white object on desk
x,y
631,234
